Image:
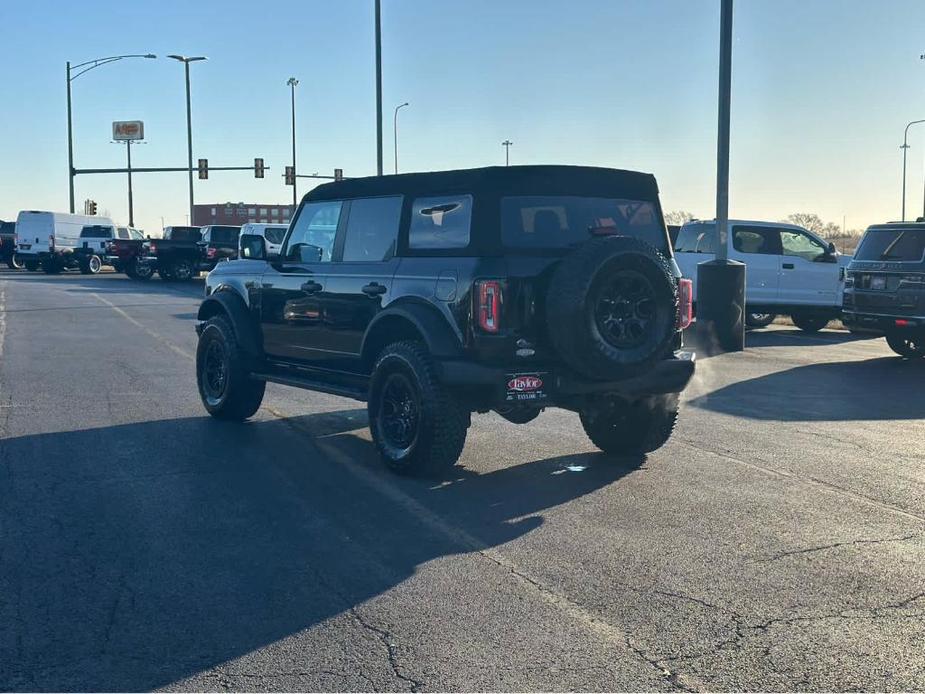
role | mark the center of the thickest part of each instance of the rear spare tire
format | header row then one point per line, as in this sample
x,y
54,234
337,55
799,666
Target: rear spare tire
x,y
611,307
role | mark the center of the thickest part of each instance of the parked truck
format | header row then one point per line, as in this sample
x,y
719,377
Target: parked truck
x,y
789,270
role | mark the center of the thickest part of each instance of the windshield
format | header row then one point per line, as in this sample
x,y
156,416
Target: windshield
x,y
563,221
902,244
96,232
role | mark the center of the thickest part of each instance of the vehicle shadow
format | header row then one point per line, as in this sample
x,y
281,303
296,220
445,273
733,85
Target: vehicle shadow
x,y
111,283
882,388
794,337
137,555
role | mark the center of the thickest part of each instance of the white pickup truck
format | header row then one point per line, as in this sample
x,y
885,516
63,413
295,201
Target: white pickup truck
x,y
789,270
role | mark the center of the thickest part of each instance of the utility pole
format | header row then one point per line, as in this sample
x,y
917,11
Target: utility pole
x,y
721,282
905,148
189,122
293,83
378,88
507,152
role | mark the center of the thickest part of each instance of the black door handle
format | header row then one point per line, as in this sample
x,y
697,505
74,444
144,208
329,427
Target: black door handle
x,y
788,266
374,289
311,287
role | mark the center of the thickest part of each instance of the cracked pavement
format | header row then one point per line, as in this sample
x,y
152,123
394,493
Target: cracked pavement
x,y
776,543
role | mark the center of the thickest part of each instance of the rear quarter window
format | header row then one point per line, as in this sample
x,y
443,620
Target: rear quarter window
x,y
696,238
439,223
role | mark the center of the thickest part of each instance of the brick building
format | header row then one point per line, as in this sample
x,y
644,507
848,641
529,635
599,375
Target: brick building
x,y
238,213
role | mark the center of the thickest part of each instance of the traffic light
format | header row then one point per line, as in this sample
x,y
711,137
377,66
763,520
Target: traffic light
x,y
258,167
203,169
93,207
338,174
290,175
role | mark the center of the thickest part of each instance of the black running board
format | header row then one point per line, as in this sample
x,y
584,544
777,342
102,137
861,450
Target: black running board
x,y
354,391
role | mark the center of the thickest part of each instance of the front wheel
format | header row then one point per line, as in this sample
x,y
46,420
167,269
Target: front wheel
x,y
181,270
809,323
908,346
91,266
15,262
141,271
418,427
225,385
620,428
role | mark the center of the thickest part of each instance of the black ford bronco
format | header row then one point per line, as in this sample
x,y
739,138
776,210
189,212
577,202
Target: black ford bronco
x,y
885,286
434,295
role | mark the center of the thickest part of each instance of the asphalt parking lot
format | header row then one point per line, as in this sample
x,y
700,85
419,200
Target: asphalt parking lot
x,y
775,543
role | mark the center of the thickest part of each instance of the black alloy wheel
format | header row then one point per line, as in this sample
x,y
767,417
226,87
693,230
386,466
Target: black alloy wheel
x,y
625,309
214,373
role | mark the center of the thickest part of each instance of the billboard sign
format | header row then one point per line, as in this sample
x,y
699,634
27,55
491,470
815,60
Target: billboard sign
x,y
128,130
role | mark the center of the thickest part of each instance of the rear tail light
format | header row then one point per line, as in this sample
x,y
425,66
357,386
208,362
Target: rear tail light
x,y
685,303
152,247
210,252
488,305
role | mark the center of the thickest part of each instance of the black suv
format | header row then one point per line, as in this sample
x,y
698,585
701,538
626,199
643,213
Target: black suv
x,y
885,287
431,296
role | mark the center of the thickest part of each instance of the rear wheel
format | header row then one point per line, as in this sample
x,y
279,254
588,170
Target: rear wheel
x,y
759,320
621,428
15,262
418,427
225,386
908,346
91,266
809,323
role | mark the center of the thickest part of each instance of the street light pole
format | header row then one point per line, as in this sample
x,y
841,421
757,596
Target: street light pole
x,y
293,83
86,67
905,147
395,132
507,152
189,123
378,88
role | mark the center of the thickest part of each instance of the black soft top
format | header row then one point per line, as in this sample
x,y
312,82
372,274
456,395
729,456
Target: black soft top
x,y
498,181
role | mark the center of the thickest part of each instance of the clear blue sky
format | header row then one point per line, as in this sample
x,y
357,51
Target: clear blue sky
x,y
821,92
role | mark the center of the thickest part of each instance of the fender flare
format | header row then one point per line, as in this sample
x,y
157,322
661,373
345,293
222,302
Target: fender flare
x,y
439,336
229,303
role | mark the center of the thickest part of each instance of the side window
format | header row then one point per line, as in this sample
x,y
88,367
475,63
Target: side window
x,y
122,232
696,238
275,234
372,229
440,222
756,240
799,244
316,226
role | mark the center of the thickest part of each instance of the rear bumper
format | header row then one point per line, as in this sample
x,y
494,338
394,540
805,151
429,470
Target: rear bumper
x,y
881,323
557,385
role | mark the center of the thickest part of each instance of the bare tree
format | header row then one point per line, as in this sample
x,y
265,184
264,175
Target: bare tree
x,y
678,217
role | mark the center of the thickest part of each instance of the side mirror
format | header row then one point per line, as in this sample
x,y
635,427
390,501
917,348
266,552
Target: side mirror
x,y
252,247
306,253
830,249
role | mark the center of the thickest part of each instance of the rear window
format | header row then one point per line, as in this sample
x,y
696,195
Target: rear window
x,y
96,232
907,245
563,221
275,234
440,222
696,238
7,227
185,233
224,234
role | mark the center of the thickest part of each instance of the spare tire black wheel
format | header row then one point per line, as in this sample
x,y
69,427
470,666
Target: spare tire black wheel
x,y
611,307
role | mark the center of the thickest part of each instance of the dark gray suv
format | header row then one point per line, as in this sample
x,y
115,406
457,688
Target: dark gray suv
x,y
885,287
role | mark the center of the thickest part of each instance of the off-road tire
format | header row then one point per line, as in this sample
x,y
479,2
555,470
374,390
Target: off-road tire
x,y
908,346
809,323
441,421
619,428
576,290
240,395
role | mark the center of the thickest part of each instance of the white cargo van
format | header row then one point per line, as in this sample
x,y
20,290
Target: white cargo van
x,y
48,239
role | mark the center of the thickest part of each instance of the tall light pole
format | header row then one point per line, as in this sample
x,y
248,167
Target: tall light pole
x,y
507,152
395,132
189,123
721,282
905,147
86,67
378,88
293,83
